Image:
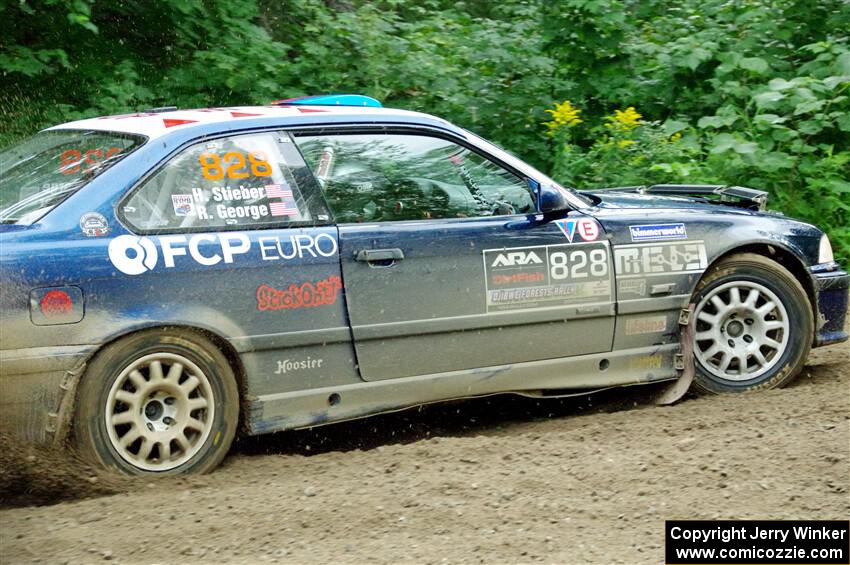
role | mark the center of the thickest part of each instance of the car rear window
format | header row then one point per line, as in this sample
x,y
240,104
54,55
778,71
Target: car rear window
x,y
244,181
42,171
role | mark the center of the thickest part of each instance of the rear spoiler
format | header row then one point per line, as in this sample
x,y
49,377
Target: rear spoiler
x,y
749,198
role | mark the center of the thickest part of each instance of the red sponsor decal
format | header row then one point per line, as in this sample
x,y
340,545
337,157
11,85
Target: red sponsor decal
x,y
171,122
588,229
304,295
242,114
518,278
310,110
56,303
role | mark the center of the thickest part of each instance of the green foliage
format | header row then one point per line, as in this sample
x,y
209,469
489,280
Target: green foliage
x,y
750,92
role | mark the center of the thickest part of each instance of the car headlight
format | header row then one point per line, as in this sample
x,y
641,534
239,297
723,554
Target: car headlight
x,y
825,250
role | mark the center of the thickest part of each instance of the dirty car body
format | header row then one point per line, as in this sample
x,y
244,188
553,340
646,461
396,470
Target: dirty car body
x,y
295,265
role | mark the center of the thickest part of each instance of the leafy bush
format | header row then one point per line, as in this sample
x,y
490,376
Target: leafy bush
x,y
752,92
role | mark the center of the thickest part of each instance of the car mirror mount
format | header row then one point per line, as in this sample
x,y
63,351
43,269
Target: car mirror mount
x,y
551,202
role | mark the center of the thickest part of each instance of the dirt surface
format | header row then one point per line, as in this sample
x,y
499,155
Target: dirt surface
x,y
495,480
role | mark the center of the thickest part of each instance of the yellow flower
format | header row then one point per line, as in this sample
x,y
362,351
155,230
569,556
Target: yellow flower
x,y
675,137
564,115
623,143
624,121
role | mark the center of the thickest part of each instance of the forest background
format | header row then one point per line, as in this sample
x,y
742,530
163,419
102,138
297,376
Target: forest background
x,y
596,92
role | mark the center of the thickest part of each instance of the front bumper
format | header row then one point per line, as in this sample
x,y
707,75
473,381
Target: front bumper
x,y
831,288
33,384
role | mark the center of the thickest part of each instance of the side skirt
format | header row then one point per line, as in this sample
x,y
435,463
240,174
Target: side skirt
x,y
313,407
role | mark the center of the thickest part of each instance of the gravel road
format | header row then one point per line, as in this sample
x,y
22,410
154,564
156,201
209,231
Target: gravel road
x,y
494,480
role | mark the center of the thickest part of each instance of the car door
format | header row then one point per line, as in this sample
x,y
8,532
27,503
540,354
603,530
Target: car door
x,y
232,235
445,263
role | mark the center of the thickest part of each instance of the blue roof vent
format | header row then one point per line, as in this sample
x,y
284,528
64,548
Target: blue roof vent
x,y
330,100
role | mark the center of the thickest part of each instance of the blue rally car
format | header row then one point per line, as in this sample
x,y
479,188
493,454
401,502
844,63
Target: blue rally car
x,y
170,278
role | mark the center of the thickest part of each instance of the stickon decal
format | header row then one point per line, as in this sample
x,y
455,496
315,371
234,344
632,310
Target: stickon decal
x,y
231,204
658,232
633,287
657,259
134,255
546,275
183,205
295,365
234,165
305,295
647,325
586,228
171,122
56,303
94,224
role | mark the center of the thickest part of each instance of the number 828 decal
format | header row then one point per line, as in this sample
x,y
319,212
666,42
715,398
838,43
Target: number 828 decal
x,y
547,275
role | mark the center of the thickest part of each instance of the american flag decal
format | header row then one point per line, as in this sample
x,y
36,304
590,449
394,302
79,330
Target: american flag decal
x,y
283,208
278,191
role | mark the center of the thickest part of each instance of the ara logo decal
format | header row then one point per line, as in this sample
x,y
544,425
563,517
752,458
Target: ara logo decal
x,y
517,258
587,229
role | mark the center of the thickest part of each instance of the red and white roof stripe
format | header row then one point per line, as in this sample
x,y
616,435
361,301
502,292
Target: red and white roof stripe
x,y
157,124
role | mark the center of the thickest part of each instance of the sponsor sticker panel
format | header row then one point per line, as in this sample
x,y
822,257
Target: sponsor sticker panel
x,y
631,287
304,295
580,229
547,275
285,366
658,232
134,255
646,325
657,259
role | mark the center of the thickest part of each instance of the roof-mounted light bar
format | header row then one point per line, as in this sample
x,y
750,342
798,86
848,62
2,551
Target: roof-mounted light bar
x,y
330,100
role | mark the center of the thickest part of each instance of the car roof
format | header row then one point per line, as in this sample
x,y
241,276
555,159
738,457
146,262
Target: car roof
x,y
158,124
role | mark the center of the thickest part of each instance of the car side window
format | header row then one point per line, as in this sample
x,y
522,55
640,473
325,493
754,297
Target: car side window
x,y
246,181
393,177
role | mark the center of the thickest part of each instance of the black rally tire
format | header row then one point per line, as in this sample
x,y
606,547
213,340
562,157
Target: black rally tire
x,y
750,270
158,408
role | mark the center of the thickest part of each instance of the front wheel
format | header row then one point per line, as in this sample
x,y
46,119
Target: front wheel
x,y
160,401
753,326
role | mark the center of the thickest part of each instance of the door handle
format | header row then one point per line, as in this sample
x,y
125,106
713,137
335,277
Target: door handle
x,y
379,257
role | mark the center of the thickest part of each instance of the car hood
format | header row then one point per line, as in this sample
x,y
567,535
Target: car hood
x,y
628,198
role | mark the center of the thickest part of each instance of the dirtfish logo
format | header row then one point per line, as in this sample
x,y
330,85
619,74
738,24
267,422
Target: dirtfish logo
x,y
517,258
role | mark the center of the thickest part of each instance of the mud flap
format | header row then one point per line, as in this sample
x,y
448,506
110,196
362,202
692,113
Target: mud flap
x,y
673,392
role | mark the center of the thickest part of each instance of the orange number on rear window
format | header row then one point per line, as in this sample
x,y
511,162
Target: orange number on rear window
x,y
211,166
259,166
93,157
234,166
69,162
239,164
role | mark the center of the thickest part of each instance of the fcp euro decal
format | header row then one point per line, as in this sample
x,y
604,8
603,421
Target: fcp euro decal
x,y
133,255
136,255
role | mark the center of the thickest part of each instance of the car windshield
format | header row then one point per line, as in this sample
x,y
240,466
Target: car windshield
x,y
40,172
576,199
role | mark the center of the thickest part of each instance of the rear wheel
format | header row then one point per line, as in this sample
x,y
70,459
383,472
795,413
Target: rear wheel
x,y
753,323
160,401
